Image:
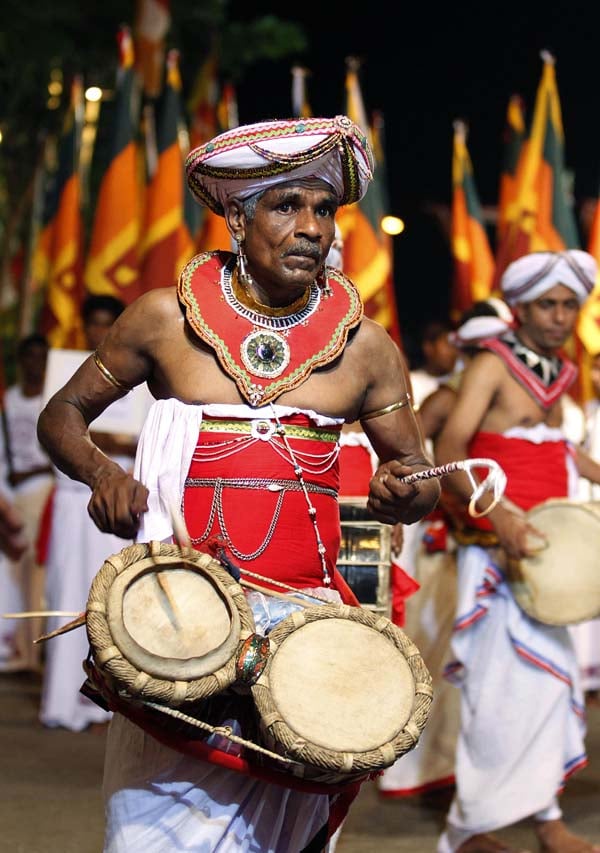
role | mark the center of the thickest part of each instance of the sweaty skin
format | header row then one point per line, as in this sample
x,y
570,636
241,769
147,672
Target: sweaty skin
x,y
286,243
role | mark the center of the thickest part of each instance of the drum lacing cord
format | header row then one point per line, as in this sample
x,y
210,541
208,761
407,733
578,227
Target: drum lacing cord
x,y
225,731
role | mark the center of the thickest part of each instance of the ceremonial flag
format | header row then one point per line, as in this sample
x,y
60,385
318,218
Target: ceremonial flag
x,y
61,320
472,256
367,253
213,231
588,323
152,22
514,137
112,263
541,217
166,242
300,106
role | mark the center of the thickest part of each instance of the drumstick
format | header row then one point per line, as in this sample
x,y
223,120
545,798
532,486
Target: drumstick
x,y
70,626
495,480
31,614
164,585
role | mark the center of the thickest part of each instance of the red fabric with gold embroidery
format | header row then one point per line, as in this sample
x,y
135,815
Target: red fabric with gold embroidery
x,y
309,344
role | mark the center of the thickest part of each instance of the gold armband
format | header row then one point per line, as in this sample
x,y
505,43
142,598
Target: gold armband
x,y
387,409
122,386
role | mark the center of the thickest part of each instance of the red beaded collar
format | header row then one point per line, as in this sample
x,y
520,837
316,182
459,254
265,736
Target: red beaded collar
x,y
266,356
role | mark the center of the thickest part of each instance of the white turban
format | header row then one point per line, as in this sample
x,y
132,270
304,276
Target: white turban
x,y
255,157
532,275
482,326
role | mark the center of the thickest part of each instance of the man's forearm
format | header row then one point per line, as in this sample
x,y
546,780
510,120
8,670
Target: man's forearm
x,y
63,433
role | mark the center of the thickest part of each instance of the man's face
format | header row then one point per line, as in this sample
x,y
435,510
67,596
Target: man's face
x,y
547,322
33,362
290,235
96,327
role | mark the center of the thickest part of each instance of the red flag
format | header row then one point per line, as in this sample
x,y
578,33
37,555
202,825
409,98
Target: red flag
x,y
61,319
112,263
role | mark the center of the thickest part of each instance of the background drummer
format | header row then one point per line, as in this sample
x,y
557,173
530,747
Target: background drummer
x,y
522,711
278,184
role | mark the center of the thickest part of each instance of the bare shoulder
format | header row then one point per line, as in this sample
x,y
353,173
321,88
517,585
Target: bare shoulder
x,y
486,367
373,341
146,318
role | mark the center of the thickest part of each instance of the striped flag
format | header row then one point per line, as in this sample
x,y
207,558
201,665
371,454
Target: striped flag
x,y
166,243
213,232
541,217
61,320
473,261
514,137
367,254
588,323
300,105
112,263
152,23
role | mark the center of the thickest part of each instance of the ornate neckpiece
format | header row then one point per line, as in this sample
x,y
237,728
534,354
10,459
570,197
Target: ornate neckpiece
x,y
262,315
266,355
545,378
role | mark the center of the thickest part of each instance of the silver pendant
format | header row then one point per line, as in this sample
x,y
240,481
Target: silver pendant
x,y
265,353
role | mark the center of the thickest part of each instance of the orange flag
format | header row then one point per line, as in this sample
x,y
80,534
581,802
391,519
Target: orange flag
x,y
472,256
112,264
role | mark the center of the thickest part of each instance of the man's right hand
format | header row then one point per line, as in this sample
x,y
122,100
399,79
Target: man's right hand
x,y
12,540
117,502
518,538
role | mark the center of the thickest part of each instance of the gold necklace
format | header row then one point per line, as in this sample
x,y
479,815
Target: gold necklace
x,y
243,295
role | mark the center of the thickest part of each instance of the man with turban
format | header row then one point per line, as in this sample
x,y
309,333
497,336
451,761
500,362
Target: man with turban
x,y
522,721
256,360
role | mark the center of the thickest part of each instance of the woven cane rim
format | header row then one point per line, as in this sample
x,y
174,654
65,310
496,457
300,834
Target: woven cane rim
x,y
331,766
520,572
123,676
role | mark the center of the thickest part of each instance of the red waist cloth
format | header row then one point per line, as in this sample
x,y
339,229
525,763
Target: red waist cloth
x,y
534,472
272,529
355,471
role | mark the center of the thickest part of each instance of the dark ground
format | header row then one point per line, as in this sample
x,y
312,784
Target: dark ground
x,y
50,791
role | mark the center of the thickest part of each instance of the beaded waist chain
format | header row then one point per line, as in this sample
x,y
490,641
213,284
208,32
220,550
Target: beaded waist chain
x,y
270,485
292,430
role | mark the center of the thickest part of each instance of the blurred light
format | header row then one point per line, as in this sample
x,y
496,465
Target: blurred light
x,y
1,136
93,93
392,225
55,88
53,103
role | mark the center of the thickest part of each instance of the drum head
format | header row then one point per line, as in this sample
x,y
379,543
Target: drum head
x,y
166,625
560,585
343,691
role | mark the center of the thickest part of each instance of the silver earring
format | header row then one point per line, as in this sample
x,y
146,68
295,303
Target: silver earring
x,y
322,281
243,274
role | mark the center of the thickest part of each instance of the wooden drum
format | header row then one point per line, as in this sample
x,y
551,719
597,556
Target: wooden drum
x,y
344,693
165,626
560,583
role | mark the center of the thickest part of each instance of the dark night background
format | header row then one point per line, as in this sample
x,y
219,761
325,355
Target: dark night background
x,y
423,66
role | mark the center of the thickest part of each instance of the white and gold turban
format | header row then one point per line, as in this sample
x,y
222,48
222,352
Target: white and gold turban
x,y
254,157
532,275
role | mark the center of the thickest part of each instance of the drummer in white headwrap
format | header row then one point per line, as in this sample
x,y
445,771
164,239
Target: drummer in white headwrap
x,y
256,360
522,714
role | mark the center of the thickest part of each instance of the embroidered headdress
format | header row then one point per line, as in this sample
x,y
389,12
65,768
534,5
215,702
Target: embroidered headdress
x,y
532,275
254,157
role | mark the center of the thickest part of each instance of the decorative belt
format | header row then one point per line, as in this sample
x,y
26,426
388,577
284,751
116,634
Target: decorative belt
x,y
258,483
292,430
217,484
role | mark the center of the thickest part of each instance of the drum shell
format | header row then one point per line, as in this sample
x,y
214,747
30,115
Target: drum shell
x,y
139,671
560,583
317,761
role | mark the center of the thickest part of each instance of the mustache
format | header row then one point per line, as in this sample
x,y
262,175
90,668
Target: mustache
x,y
304,248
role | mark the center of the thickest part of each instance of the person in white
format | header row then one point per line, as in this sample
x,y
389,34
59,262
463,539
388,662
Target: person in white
x,y
76,552
31,479
522,712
